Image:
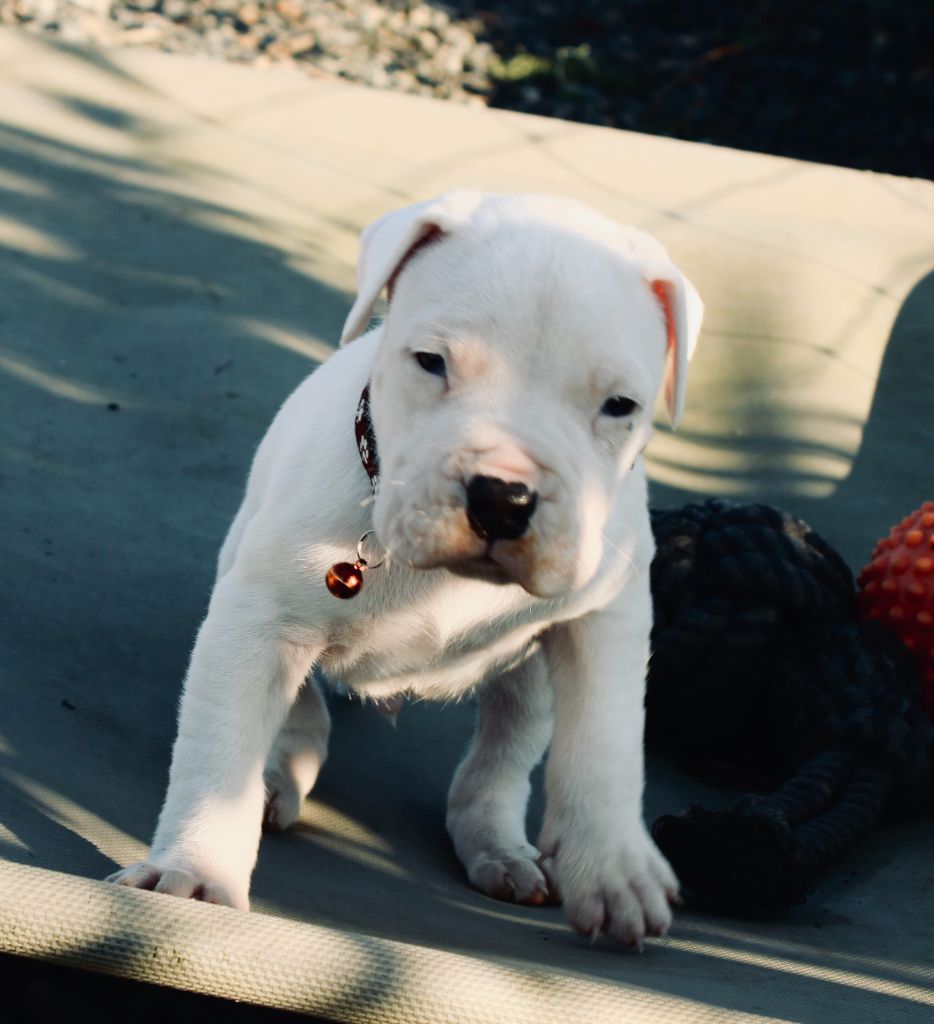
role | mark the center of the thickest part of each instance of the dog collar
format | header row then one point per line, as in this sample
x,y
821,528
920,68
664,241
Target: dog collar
x,y
366,439
344,579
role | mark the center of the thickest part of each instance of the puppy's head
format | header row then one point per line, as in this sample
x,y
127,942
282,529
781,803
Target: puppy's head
x,y
525,342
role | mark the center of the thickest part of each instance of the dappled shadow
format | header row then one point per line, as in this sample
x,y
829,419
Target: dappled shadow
x,y
850,474
137,318
891,473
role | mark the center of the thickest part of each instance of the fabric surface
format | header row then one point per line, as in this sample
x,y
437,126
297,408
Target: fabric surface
x,y
332,973
177,249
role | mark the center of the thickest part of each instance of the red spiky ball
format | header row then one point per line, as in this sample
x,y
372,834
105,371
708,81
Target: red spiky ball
x,y
897,589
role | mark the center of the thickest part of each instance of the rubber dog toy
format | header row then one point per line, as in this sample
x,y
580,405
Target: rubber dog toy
x,y
896,589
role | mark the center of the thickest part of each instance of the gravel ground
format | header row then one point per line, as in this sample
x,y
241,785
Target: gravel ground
x,y
849,82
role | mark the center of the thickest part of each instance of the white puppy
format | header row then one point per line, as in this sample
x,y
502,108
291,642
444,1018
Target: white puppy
x,y
512,385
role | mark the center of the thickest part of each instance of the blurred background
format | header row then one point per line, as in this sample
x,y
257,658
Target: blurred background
x,y
850,82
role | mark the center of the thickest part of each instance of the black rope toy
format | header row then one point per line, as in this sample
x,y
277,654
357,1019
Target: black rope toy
x,y
763,676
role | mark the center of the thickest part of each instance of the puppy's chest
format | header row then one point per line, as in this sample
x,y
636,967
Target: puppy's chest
x,y
435,649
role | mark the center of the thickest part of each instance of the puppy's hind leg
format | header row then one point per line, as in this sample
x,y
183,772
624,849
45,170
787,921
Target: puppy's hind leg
x,y
488,797
299,751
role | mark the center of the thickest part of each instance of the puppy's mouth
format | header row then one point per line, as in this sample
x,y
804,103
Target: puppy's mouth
x,y
503,563
445,542
484,567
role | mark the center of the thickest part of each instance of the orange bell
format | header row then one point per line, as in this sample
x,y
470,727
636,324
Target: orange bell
x,y
345,579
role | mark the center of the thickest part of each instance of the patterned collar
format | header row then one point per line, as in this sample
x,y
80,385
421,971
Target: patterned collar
x,y
366,439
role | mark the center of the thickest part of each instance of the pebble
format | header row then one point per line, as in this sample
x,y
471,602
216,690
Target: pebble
x,y
249,14
403,44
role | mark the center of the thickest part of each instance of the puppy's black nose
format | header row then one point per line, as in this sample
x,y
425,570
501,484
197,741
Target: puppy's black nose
x,y
497,510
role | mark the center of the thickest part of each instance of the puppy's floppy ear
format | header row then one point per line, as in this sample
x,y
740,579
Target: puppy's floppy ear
x,y
683,312
388,242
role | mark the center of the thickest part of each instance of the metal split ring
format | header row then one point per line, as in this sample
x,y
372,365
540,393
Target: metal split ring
x,y
361,559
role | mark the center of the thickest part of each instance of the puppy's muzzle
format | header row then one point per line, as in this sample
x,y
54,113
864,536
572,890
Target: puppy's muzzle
x,y
497,510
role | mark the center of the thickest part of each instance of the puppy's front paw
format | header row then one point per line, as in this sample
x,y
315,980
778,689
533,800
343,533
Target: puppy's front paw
x,y
623,891
512,875
180,881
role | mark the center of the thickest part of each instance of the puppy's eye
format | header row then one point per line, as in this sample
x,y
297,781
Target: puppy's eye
x,y
619,406
431,362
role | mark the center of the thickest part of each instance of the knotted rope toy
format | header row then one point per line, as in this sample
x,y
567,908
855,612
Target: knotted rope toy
x,y
763,676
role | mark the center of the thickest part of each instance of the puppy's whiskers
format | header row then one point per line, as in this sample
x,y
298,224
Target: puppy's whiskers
x,y
625,554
